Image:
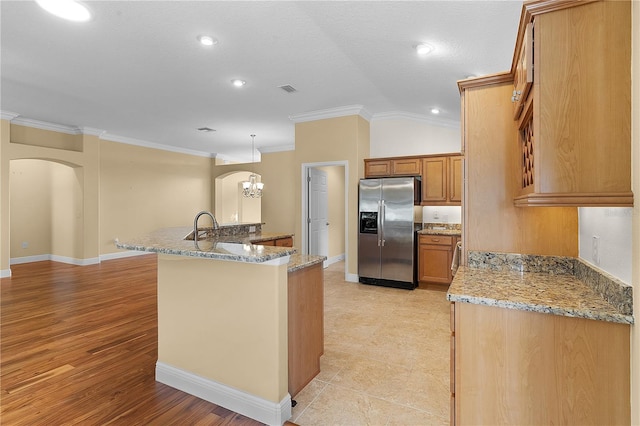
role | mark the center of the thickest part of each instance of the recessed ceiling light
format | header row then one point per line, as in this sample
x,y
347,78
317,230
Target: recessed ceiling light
x,y
206,129
206,40
238,82
67,9
424,49
435,111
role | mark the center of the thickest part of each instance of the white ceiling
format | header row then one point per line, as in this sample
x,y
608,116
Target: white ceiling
x,y
137,72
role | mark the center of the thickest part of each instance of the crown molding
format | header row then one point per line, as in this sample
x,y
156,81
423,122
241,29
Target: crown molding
x,y
146,144
45,125
8,115
401,115
280,148
92,131
322,114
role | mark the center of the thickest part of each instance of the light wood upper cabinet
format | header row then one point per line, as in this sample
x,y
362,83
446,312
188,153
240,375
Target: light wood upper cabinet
x,y
441,175
406,167
455,179
442,180
434,180
389,167
377,168
523,75
575,127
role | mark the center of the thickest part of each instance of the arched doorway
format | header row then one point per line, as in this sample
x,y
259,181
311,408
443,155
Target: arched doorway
x,y
229,205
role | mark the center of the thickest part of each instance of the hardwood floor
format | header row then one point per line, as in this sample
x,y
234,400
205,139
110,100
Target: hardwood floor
x,y
79,346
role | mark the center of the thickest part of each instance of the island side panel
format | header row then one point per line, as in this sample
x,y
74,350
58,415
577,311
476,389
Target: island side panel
x,y
225,321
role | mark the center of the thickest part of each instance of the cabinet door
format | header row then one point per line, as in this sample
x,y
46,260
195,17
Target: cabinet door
x,y
407,167
284,242
377,168
435,263
455,179
523,76
434,179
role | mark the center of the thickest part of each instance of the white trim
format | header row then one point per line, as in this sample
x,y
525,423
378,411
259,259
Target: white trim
x,y
8,115
54,258
331,113
122,254
334,259
29,259
304,201
45,125
146,144
74,261
92,131
233,399
5,273
401,115
280,148
351,278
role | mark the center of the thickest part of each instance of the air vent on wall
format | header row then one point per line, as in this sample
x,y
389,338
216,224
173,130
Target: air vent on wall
x,y
206,129
288,88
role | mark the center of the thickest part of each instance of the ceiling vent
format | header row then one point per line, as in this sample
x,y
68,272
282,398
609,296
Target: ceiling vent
x,y
206,129
288,88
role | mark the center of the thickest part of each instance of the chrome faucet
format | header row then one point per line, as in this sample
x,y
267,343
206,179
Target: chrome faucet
x,y
195,223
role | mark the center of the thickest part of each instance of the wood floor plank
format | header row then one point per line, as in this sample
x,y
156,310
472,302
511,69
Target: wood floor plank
x,y
78,346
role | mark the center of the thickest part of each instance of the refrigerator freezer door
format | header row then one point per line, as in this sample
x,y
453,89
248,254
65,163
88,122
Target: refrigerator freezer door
x,y
369,243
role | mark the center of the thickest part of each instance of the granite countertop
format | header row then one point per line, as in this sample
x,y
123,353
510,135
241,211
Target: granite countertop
x,y
431,231
301,261
435,228
559,294
239,248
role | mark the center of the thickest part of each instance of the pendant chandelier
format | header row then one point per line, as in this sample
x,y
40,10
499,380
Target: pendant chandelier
x,y
252,188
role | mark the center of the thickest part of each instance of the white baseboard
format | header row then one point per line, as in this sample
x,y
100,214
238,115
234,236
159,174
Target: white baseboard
x,y
54,258
74,261
5,273
352,278
122,254
334,259
259,409
29,259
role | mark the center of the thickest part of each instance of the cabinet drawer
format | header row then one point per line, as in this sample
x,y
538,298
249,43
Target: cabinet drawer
x,y
440,240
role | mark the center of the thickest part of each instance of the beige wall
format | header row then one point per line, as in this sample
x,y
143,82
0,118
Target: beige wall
x,y
635,113
31,209
334,139
336,207
143,189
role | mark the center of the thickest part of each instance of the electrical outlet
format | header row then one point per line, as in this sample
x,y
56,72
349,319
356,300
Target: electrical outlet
x,y
252,229
595,249
25,244
436,215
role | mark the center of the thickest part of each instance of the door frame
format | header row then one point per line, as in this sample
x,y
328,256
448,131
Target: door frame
x,y
305,202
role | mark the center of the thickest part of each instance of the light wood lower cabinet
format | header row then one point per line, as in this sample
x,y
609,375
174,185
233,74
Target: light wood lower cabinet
x,y
517,367
305,322
435,253
279,242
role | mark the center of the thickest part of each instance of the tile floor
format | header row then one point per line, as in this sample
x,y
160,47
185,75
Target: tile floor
x,y
386,359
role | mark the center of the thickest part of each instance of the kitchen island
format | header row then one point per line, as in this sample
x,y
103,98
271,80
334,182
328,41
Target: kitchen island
x,y
538,340
223,317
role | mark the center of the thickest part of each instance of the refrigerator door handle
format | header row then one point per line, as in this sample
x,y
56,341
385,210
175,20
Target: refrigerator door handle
x,y
381,214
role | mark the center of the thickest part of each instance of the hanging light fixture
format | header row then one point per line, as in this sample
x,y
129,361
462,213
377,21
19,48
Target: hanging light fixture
x,y
252,188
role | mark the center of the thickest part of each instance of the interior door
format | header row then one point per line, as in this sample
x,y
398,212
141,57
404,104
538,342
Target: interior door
x,y
318,209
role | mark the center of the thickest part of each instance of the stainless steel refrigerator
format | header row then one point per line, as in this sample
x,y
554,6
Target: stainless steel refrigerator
x,y
386,234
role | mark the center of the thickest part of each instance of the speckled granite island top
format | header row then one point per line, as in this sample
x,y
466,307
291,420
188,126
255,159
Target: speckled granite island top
x,y
239,248
552,293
